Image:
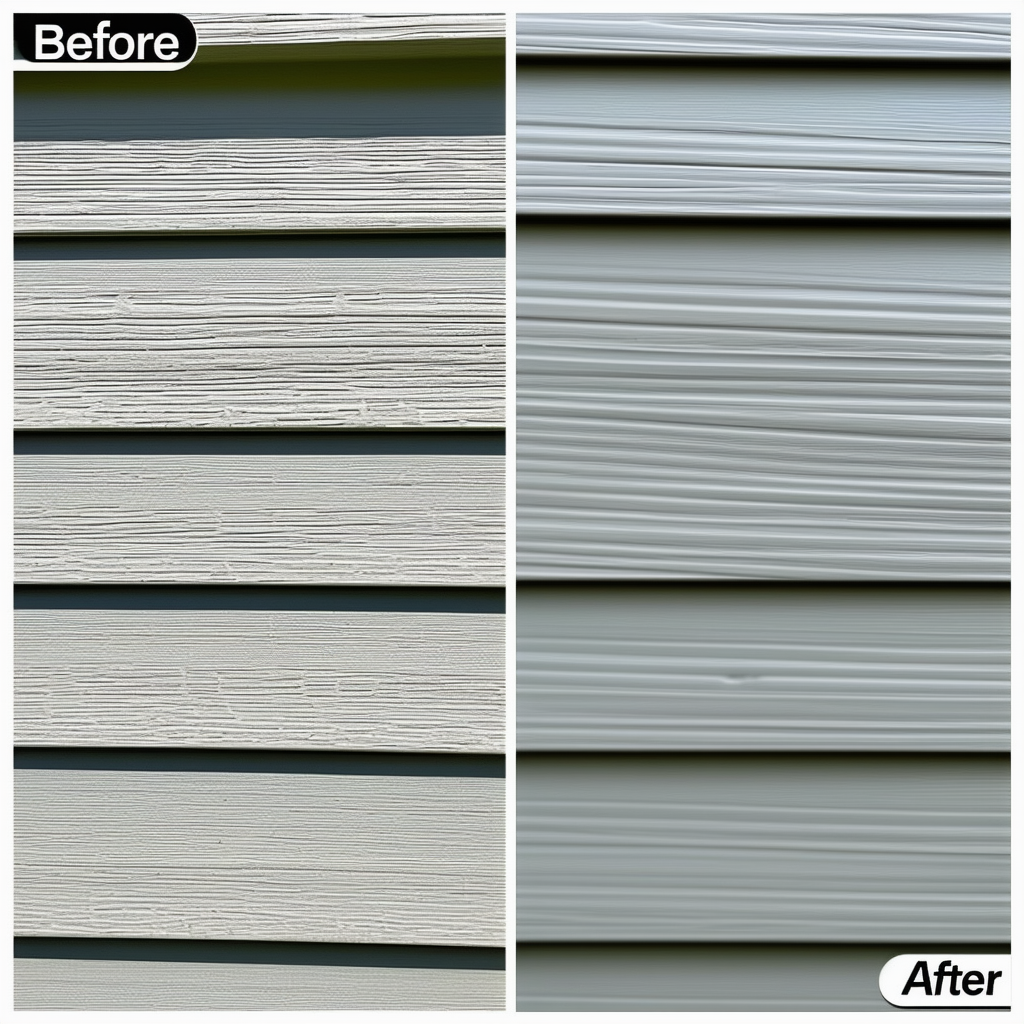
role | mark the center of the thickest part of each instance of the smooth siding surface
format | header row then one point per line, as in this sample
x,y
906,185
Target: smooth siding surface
x,y
321,858
129,985
807,403
904,37
732,667
260,519
260,679
766,141
763,848
260,343
260,185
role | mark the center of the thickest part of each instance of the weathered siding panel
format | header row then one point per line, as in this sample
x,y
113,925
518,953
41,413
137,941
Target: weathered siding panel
x,y
771,848
264,679
905,37
801,404
762,142
321,858
731,667
260,343
129,985
260,185
260,519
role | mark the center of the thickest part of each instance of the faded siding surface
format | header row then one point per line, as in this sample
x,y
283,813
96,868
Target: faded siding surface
x,y
746,722
217,281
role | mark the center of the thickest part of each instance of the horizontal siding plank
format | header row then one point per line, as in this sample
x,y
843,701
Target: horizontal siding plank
x,y
730,403
762,142
312,858
730,667
764,848
263,185
403,520
260,343
903,37
296,680
132,985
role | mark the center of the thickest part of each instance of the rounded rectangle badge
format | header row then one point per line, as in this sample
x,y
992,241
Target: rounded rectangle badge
x,y
965,981
103,42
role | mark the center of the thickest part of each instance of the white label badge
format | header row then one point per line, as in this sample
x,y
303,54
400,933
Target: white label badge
x,y
965,981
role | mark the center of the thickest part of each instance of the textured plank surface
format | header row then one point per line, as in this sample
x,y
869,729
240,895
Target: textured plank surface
x,y
130,985
753,142
776,848
900,36
714,977
823,404
346,519
731,667
323,858
299,680
260,343
224,185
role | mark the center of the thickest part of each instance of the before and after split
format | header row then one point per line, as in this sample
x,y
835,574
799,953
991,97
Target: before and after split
x,y
510,511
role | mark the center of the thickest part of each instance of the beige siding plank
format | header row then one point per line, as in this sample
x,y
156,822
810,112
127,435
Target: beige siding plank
x,y
405,520
266,679
320,858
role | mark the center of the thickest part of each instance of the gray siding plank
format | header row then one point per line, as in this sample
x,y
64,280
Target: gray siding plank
x,y
404,520
262,343
133,985
764,848
321,858
950,37
762,142
730,403
751,668
260,185
294,680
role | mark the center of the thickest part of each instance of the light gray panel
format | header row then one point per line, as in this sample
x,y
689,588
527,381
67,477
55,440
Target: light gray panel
x,y
900,36
134,985
317,858
301,519
263,185
295,680
763,848
731,667
735,402
261,343
715,977
762,141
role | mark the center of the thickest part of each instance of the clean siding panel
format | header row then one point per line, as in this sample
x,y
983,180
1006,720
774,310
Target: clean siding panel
x,y
767,404
295,680
318,858
265,343
131,985
951,37
404,520
763,848
260,185
732,667
762,142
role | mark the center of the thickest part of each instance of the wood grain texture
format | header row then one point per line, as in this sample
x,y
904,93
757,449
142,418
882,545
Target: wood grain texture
x,y
406,520
260,343
262,185
773,404
295,680
870,36
320,858
762,142
131,985
764,848
713,667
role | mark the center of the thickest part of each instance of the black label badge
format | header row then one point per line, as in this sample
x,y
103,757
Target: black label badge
x,y
127,42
